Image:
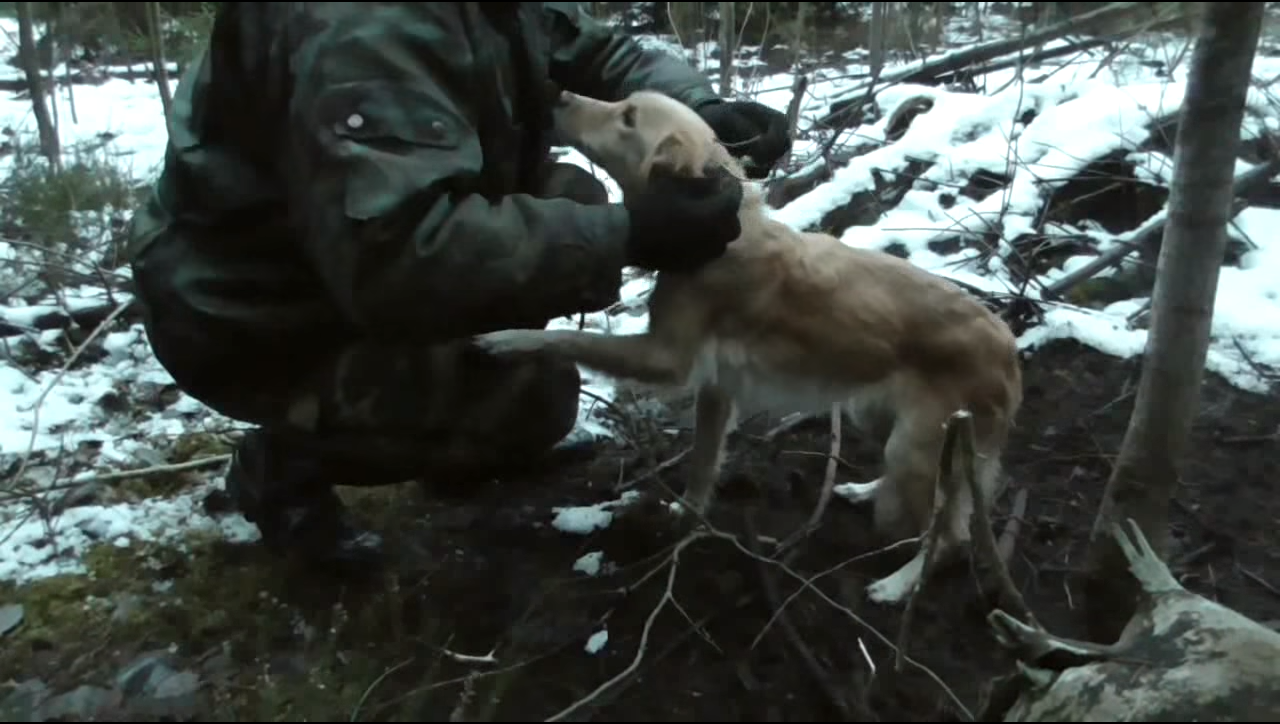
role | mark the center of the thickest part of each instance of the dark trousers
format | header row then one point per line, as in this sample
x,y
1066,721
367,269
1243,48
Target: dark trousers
x,y
381,413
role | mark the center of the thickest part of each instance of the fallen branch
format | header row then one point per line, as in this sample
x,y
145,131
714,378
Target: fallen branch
x,y
1151,232
944,496
927,71
1009,538
62,371
85,318
828,485
668,596
839,702
806,583
984,548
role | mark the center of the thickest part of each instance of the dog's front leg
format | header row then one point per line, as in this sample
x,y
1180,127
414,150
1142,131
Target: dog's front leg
x,y
638,357
713,412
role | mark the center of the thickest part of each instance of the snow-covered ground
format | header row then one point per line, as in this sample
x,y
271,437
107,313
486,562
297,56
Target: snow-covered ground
x,y
1083,112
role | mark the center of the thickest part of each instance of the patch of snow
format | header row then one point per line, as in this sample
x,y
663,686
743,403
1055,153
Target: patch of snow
x,y
590,564
586,519
597,641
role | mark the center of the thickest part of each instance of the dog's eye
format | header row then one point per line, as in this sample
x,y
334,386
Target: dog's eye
x,y
629,117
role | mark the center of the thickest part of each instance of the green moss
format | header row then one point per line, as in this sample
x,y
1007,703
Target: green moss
x,y
294,647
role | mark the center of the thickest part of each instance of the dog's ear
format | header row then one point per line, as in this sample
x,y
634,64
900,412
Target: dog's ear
x,y
673,156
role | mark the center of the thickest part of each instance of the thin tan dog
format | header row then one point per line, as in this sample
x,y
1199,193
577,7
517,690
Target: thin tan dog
x,y
799,321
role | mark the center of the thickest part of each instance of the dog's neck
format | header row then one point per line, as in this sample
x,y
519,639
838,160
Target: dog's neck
x,y
752,192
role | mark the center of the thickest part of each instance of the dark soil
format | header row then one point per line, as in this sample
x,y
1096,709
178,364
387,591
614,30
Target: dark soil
x,y
489,573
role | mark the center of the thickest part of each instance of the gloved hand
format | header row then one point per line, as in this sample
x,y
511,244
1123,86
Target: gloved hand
x,y
752,130
680,223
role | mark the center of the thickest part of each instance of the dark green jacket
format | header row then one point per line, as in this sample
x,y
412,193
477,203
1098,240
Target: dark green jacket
x,y
366,167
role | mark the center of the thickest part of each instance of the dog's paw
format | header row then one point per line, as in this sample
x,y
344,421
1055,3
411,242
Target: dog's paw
x,y
895,588
510,341
887,592
859,493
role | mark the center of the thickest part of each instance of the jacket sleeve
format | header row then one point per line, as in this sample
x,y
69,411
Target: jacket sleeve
x,y
382,164
590,58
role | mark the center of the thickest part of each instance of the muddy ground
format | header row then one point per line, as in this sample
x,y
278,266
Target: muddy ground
x,y
219,632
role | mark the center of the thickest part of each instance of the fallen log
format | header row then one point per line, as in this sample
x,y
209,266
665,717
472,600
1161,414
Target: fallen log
x,y
1150,234
90,76
929,71
86,318
1182,657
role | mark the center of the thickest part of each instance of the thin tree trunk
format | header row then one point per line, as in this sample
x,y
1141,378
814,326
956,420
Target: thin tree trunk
x,y
1146,474
728,47
50,148
157,56
875,37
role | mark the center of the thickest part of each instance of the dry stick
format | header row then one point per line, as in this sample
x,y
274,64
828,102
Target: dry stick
x,y
667,597
770,587
1150,233
195,464
984,547
62,371
653,472
1009,538
355,712
944,496
922,71
930,673
828,485
675,643
787,424
807,583
829,476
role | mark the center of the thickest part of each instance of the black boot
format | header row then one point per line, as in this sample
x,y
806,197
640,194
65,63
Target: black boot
x,y
281,490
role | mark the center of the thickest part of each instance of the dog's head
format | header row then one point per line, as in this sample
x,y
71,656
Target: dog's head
x,y
631,138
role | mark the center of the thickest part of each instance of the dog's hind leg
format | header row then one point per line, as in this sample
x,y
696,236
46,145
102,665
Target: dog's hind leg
x,y
713,414
905,498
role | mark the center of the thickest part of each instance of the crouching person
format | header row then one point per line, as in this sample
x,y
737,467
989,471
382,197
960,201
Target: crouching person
x,y
350,191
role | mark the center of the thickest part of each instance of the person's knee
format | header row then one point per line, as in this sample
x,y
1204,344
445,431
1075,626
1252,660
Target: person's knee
x,y
570,181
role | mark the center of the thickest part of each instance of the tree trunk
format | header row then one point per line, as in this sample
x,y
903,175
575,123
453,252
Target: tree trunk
x,y
156,33
49,145
728,47
1146,473
875,37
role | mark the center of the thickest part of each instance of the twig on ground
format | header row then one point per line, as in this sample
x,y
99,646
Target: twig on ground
x,y
668,596
488,658
653,472
675,643
930,673
983,547
118,475
837,700
828,485
787,424
1009,538
812,581
62,371
1257,579
355,711
944,496
829,475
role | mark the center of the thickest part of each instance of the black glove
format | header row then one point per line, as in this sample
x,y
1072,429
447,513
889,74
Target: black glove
x,y
679,223
749,129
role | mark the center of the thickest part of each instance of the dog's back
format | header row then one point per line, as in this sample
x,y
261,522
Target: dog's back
x,y
807,312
